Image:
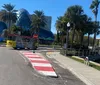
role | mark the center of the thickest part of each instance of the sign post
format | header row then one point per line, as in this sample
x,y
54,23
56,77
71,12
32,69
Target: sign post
x,y
35,36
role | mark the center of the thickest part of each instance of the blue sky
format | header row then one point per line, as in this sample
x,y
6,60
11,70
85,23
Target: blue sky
x,y
54,8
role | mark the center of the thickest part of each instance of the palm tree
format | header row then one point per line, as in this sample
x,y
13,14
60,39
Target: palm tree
x,y
38,21
15,29
8,14
90,27
73,14
61,26
82,27
94,7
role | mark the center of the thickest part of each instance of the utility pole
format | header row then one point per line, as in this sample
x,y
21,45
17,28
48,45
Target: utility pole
x,y
67,33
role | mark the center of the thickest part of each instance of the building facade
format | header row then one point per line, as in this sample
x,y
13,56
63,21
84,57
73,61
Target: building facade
x,y
24,21
2,26
48,23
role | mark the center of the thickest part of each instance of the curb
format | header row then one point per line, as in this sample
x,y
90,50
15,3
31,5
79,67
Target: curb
x,y
40,64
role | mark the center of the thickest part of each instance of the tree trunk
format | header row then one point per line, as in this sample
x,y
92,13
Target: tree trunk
x,y
73,35
9,21
57,36
62,41
82,37
88,39
94,39
81,40
38,37
67,36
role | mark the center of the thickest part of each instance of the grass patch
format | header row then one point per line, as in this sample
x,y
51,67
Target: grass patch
x,y
79,60
94,65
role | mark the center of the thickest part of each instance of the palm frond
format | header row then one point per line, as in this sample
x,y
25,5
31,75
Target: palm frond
x,y
38,20
8,7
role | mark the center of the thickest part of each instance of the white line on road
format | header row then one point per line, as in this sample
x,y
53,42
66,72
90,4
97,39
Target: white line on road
x,y
41,64
33,55
39,59
22,56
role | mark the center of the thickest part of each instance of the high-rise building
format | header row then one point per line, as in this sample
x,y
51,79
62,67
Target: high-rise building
x,y
48,23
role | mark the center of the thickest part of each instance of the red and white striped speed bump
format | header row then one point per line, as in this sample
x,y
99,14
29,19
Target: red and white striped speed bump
x,y
40,64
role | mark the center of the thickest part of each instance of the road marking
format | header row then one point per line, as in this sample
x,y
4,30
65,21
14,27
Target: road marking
x,y
40,64
39,59
22,56
40,68
62,66
32,55
63,79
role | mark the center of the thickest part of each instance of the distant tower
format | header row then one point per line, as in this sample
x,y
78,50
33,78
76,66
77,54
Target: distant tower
x,y
48,23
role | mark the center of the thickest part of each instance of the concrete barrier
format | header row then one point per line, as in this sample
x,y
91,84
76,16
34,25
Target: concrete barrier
x,y
10,43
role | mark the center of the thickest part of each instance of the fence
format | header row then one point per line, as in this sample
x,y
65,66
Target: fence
x,y
78,52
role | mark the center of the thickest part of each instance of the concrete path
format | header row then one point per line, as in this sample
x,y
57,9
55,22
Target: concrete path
x,y
87,74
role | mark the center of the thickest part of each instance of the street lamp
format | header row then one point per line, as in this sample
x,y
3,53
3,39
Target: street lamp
x,y
68,24
68,27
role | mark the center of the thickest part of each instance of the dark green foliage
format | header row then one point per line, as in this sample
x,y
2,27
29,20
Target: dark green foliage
x,y
26,33
38,21
81,25
8,14
15,29
95,7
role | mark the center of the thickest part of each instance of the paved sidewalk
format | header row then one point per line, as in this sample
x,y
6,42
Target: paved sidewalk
x,y
87,74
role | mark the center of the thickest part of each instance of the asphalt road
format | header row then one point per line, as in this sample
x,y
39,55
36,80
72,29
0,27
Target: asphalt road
x,y
14,70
